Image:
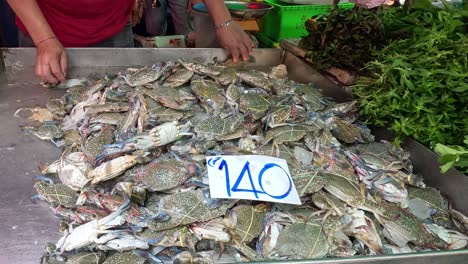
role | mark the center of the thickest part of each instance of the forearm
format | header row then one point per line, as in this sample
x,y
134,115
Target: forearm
x,y
218,11
33,19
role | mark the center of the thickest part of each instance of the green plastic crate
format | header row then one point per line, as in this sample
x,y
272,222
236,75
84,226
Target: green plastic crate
x,y
287,21
266,42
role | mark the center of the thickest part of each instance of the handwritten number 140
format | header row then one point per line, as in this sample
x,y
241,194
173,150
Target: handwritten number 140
x,y
246,170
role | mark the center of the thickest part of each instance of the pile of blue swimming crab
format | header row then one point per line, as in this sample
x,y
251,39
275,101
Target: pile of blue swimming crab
x,y
132,187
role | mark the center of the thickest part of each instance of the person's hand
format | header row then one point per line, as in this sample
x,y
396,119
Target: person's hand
x,y
51,61
234,39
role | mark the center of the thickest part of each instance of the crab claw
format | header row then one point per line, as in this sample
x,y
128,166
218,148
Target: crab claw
x,y
153,242
37,197
159,217
196,183
175,156
120,145
83,197
145,254
123,207
43,178
136,228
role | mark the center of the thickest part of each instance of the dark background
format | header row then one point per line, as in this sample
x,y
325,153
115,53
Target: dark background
x,y
8,30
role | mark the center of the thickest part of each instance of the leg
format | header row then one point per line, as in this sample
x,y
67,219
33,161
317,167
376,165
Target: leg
x,y
123,39
180,16
155,18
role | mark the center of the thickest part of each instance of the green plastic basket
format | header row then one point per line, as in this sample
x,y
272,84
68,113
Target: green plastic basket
x,y
266,42
287,21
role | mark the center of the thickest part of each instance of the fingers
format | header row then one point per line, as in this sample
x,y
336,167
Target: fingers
x,y
51,61
64,64
235,53
237,41
244,48
56,70
249,44
43,71
244,52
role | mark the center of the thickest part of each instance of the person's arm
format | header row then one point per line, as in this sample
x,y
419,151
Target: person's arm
x,y
231,37
51,59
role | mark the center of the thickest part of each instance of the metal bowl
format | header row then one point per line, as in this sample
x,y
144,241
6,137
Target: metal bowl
x,y
251,11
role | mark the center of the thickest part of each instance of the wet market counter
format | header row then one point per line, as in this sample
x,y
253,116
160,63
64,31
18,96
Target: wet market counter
x,y
27,227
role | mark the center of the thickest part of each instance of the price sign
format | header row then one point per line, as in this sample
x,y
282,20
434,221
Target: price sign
x,y
251,177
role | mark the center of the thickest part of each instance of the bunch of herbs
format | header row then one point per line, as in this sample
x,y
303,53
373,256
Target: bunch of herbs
x,y
419,84
346,39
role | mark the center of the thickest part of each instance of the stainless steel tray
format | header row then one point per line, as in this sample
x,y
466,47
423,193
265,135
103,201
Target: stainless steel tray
x,y
27,227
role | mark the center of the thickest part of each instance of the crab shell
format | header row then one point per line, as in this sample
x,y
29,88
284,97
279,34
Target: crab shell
x,y
246,222
363,229
213,230
187,208
165,133
178,78
144,75
124,257
302,240
57,193
286,134
86,258
111,169
164,175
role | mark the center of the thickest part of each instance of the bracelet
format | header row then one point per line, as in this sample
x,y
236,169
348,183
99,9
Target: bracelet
x,y
40,42
225,24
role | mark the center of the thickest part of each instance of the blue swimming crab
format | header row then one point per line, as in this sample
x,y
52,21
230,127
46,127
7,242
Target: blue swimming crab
x,y
245,222
87,258
177,99
204,69
218,128
254,105
111,169
401,227
55,194
164,174
179,77
285,235
363,228
284,134
127,257
307,179
256,79
209,93
144,75
434,206
97,232
189,207
49,131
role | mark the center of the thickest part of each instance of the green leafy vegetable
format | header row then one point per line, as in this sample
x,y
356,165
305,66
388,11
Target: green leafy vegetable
x,y
345,39
453,156
419,84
